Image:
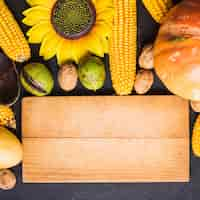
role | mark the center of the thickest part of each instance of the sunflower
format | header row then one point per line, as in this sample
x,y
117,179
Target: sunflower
x,y
69,29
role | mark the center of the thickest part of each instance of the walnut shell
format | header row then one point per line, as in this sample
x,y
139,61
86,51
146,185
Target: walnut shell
x,y
146,57
195,105
68,77
7,179
144,81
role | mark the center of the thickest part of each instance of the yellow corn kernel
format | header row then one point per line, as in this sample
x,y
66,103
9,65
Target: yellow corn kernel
x,y
158,8
196,137
122,47
12,40
7,117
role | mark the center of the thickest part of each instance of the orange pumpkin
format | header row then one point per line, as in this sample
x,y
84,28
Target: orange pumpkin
x,y
177,50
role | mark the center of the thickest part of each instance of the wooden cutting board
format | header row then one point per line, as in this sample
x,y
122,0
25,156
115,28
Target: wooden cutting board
x,y
105,139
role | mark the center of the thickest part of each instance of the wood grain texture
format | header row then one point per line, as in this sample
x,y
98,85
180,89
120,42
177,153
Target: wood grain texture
x,y
105,117
105,160
105,139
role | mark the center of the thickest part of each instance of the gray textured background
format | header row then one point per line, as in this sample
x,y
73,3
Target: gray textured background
x,y
147,30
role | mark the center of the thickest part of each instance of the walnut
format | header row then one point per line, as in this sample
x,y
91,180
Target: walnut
x,y
7,179
68,77
146,57
144,81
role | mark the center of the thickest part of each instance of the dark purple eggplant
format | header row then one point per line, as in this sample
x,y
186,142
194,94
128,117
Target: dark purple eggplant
x,y
9,81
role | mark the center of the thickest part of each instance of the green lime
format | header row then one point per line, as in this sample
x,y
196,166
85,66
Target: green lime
x,y
92,73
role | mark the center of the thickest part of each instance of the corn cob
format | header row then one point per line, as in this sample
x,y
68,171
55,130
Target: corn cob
x,y
196,137
158,8
7,117
122,47
12,40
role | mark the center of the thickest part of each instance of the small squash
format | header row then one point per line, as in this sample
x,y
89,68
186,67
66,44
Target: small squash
x,y
177,50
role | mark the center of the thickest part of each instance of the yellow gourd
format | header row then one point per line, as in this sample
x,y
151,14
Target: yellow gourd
x,y
10,149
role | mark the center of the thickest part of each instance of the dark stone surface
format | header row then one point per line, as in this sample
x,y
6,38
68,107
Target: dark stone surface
x,y
157,191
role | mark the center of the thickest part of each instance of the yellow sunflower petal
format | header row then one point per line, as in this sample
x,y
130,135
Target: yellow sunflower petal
x,y
103,39
45,3
63,51
94,45
49,45
74,53
104,29
38,12
103,4
37,32
77,50
70,50
105,15
30,21
105,44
